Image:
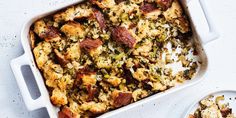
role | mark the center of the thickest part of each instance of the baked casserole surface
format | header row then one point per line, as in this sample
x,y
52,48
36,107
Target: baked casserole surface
x,y
100,55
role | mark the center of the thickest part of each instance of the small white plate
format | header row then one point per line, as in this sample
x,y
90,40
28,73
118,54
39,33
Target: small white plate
x,y
229,95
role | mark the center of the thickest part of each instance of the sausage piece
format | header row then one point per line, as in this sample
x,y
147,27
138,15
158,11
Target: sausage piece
x,y
90,44
164,4
51,34
66,113
121,35
146,8
225,112
92,92
60,58
121,98
100,19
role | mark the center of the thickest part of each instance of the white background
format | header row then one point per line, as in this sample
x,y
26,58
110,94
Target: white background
x,y
221,54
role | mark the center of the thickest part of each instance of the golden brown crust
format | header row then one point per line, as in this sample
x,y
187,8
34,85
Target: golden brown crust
x,y
115,81
40,28
41,53
58,97
68,15
73,30
94,108
73,52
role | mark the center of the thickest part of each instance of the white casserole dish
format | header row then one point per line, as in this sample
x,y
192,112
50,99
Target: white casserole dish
x,y
200,38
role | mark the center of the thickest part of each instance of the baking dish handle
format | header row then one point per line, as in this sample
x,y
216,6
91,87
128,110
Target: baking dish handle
x,y
16,65
212,34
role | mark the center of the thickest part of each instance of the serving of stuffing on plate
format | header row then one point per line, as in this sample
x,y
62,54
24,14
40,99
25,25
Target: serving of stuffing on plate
x,y
213,108
100,55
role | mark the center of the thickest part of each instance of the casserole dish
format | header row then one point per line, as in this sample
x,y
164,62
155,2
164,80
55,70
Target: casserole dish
x,y
43,100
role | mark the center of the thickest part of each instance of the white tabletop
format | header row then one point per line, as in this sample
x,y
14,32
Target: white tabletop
x,y
221,54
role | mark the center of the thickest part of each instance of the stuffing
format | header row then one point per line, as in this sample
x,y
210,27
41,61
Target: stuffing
x,y
74,12
96,52
211,112
157,86
68,15
175,15
65,82
93,92
73,30
213,107
96,108
146,29
140,74
40,28
175,11
121,98
32,39
182,24
153,15
73,52
129,63
58,97
103,4
164,4
89,79
137,1
99,55
144,49
147,8
52,72
103,62
123,12
138,94
121,35
60,58
41,53
91,46
113,80
67,113
83,11
100,19
48,33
